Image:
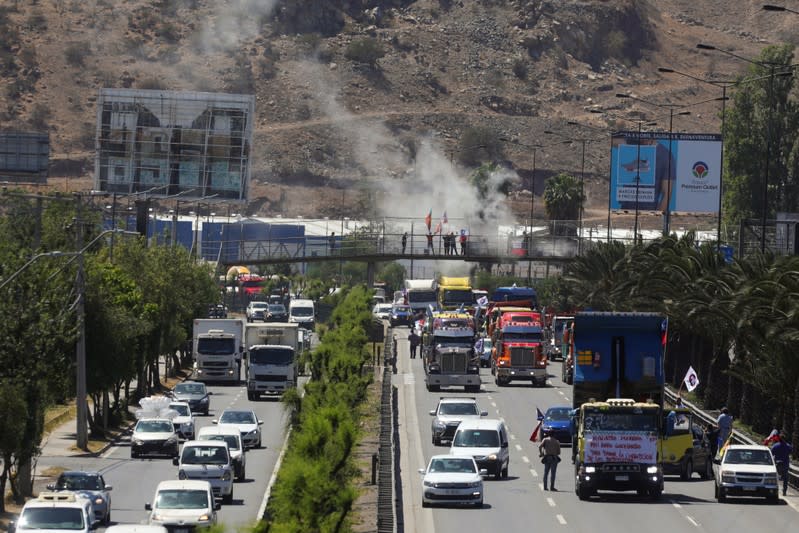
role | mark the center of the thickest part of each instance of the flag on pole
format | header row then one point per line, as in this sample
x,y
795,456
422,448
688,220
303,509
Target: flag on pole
x,y
773,437
428,219
444,218
537,430
438,228
664,332
691,380
726,444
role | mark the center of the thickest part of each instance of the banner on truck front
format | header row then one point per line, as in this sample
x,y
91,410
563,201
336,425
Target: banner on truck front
x,y
620,447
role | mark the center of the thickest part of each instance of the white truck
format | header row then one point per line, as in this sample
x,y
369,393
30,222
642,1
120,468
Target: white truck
x,y
421,293
217,348
271,358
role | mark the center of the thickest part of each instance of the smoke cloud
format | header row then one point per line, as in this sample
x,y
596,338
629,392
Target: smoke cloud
x,y
235,22
431,181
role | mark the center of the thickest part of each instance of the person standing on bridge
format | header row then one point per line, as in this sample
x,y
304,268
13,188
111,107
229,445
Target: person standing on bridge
x,y
404,241
430,248
332,241
464,239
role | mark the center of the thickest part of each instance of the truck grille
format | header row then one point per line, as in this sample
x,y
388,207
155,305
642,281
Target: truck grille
x,y
215,364
612,467
269,377
741,477
521,356
454,363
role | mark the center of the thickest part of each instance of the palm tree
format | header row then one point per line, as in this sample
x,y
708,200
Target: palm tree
x,y
563,196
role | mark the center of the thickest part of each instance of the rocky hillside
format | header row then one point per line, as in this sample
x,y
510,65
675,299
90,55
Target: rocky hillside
x,y
365,104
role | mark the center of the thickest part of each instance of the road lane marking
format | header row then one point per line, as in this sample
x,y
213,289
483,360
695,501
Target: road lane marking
x,y
551,502
561,393
493,404
676,505
566,398
409,379
525,459
694,522
518,448
534,473
561,519
541,487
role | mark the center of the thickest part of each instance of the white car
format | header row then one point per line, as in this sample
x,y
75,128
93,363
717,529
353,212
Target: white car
x,y
230,435
449,413
182,504
745,470
154,436
207,460
382,311
246,422
55,512
89,485
184,421
451,479
256,311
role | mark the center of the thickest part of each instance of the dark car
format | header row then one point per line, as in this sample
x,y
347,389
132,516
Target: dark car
x,y
401,315
557,421
276,313
195,393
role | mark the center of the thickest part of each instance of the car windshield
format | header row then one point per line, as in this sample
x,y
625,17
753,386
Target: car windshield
x,y
79,482
154,426
459,465
181,499
237,417
182,410
302,311
476,438
458,409
748,457
204,455
259,306
558,413
277,309
59,518
231,440
190,388
401,309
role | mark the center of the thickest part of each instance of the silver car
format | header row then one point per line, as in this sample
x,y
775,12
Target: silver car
x,y
449,413
246,421
91,486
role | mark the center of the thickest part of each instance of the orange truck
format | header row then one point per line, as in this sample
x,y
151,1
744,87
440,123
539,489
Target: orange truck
x,y
518,352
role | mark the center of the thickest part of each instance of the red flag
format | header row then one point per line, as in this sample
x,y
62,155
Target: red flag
x,y
428,219
664,332
438,228
534,436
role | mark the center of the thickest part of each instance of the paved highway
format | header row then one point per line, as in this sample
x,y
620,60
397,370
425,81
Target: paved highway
x,y
519,503
135,480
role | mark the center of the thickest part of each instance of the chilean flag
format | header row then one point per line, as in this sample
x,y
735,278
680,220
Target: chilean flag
x,y
428,219
664,331
537,430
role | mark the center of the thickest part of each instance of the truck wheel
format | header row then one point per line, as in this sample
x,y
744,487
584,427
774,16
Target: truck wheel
x,y
582,494
505,472
687,470
708,472
242,473
250,396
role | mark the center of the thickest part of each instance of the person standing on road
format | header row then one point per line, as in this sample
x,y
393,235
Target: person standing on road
x,y
724,424
414,339
404,241
549,451
782,456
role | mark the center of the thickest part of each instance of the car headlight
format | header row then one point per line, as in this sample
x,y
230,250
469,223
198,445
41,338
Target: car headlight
x,y
502,362
137,442
727,476
651,470
492,457
252,432
182,474
157,517
475,484
590,469
172,440
204,518
439,424
429,484
204,399
226,476
770,478
99,500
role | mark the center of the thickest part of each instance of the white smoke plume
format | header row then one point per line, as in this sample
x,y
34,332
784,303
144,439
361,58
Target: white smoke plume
x,y
234,22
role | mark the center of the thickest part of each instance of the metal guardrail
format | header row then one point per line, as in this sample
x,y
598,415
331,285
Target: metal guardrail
x,y
385,478
737,436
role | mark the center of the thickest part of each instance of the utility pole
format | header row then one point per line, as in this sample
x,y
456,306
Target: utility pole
x,y
80,363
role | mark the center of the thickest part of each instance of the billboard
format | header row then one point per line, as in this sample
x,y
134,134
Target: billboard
x,y
169,142
651,172
24,157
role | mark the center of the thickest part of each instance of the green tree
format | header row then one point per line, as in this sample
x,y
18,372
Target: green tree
x,y
563,197
13,413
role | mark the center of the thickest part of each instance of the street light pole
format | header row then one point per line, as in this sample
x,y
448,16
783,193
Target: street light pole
x,y
637,183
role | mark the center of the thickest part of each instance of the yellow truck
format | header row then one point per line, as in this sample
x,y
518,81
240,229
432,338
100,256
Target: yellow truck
x,y
454,293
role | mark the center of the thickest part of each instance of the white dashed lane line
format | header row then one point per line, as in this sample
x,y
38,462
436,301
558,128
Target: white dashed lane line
x,y
561,519
518,447
534,474
525,459
551,502
694,522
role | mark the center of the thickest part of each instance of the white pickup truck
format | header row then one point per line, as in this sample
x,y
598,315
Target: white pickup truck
x,y
745,470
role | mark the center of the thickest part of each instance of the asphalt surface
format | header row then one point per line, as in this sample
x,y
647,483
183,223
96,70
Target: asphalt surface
x,y
134,480
519,503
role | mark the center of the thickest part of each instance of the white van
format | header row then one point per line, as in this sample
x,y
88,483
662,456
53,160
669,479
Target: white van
x,y
183,503
485,439
302,312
